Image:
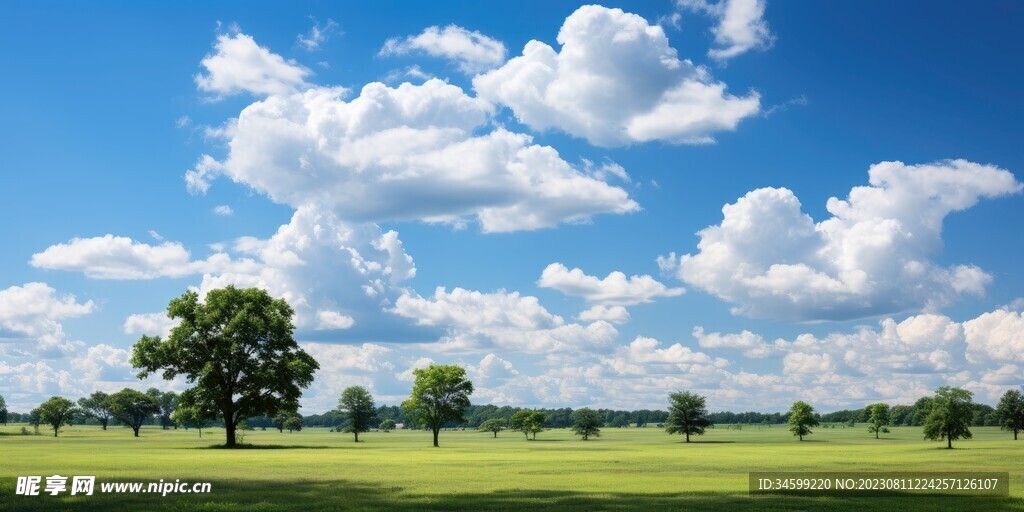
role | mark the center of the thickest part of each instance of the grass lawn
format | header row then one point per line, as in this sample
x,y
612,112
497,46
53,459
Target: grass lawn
x,y
624,469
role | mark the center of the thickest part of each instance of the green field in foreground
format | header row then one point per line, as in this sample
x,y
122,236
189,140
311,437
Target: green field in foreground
x,y
625,469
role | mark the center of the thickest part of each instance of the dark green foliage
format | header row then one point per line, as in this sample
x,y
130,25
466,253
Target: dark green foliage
x,y
357,404
586,423
238,351
440,394
56,412
687,415
1010,412
950,415
801,419
133,408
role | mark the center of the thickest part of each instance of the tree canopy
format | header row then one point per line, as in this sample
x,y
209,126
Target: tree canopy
x,y
528,422
3,410
357,404
192,417
1011,412
95,405
133,407
293,422
801,419
57,412
687,414
950,415
493,425
237,350
586,423
878,419
440,394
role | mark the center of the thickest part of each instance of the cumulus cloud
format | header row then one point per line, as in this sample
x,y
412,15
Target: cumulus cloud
x,y
150,324
30,318
615,289
646,356
613,314
119,257
477,321
752,345
238,65
873,256
223,210
615,81
473,51
412,152
740,25
331,320
997,336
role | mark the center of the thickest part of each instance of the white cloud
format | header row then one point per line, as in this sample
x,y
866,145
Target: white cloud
x,y
872,257
614,289
153,324
472,309
332,320
752,345
36,378
615,81
646,356
238,64
407,375
473,51
118,257
223,210
741,26
997,335
799,362
336,358
30,317
613,314
405,153
102,363
317,34
491,369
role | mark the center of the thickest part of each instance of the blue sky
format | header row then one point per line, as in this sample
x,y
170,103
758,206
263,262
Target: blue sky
x,y
699,104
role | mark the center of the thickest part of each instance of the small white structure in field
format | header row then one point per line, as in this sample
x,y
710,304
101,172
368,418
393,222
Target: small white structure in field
x,y
399,425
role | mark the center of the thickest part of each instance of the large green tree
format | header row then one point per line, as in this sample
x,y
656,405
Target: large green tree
x,y
360,412
493,425
293,423
878,419
801,419
440,394
586,423
1010,412
57,412
687,414
528,422
236,349
95,405
133,408
950,417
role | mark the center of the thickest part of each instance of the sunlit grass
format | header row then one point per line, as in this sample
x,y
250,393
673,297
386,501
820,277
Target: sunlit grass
x,y
639,469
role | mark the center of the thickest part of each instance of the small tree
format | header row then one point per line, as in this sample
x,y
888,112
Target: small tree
x,y
440,394
167,400
536,423
293,423
133,408
518,422
95,405
878,419
387,425
3,411
237,349
950,417
279,420
494,425
193,417
57,412
801,419
687,414
586,422
358,406
1011,412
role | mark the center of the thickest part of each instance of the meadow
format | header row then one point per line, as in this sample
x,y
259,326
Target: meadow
x,y
624,469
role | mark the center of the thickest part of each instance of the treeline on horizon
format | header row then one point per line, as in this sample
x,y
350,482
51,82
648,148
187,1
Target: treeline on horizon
x,y
899,415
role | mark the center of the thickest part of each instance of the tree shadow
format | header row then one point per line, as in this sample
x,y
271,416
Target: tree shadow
x,y
264,447
307,496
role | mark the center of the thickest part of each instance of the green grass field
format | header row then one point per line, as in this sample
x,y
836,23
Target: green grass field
x,y
625,469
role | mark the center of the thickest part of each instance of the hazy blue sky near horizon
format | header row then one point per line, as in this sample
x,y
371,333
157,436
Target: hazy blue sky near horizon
x,y
106,111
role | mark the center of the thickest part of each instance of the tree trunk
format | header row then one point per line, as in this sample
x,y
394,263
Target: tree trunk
x,y
105,424
229,425
534,436
55,429
357,435
496,435
949,442
200,433
801,436
436,431
687,437
876,434
136,430
1015,434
